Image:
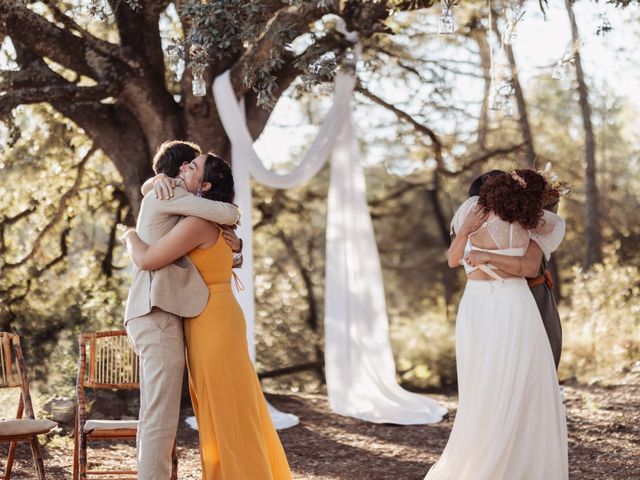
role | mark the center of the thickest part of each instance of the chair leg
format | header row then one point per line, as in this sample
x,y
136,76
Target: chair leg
x,y
10,457
82,456
38,462
174,463
75,448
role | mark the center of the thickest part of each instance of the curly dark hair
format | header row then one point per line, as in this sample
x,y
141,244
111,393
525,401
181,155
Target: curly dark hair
x,y
218,172
474,188
515,196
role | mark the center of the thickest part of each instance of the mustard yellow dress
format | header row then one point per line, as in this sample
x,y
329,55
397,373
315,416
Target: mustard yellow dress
x,y
237,438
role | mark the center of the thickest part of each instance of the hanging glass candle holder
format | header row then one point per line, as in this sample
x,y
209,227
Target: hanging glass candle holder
x,y
495,101
507,107
559,71
447,22
350,59
176,64
198,84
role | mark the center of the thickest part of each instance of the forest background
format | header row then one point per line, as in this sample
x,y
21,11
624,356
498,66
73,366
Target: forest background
x,y
77,142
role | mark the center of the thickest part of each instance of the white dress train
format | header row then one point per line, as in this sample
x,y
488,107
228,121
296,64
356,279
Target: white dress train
x,y
510,423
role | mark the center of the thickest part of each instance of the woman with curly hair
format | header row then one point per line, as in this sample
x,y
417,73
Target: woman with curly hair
x,y
510,423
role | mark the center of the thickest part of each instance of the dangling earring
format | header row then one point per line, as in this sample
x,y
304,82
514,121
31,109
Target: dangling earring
x,y
199,192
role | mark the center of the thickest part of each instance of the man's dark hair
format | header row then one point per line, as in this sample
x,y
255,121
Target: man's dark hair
x,y
474,188
172,154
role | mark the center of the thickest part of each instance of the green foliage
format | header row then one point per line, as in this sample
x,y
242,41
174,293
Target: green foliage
x,y
52,297
602,320
60,273
425,348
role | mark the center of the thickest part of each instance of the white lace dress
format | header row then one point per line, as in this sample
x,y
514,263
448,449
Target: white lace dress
x,y
510,423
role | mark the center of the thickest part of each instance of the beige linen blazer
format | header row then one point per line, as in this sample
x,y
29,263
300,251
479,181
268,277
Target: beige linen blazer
x,y
177,288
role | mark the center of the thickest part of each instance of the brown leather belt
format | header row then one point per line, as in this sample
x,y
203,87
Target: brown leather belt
x,y
546,278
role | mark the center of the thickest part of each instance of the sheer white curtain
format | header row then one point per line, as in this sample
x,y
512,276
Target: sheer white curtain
x,y
360,369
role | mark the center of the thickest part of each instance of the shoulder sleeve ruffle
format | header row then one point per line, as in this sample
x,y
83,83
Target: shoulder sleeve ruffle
x,y
549,233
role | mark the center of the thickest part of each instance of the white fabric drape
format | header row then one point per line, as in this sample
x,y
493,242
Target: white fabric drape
x,y
359,363
360,369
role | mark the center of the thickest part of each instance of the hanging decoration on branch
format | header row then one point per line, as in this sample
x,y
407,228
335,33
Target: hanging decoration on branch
x,y
175,61
501,87
199,56
447,22
562,65
513,17
198,84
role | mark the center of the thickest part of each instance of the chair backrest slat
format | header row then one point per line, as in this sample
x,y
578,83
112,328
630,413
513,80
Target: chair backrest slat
x,y
111,361
3,380
9,366
13,372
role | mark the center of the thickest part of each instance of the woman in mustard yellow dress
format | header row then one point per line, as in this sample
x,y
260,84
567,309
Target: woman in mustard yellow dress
x,y
237,438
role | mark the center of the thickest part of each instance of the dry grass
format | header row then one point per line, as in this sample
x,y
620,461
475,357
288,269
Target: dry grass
x,y
604,431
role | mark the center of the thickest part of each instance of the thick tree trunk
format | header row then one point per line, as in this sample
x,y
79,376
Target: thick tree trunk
x,y
593,235
449,275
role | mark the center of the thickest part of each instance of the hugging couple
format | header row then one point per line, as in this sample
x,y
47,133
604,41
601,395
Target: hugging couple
x,y
181,297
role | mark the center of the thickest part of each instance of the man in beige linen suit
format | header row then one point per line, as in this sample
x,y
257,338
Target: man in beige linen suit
x,y
156,303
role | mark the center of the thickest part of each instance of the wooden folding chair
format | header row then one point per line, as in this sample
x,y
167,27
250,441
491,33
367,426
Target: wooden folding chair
x,y
13,374
106,361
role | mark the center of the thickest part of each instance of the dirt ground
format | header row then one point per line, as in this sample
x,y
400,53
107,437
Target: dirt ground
x,y
603,421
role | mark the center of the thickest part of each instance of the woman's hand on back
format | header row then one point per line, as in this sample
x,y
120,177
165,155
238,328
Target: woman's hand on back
x,y
163,186
474,220
475,258
229,235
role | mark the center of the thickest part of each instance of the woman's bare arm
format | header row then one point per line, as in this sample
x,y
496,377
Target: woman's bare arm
x,y
525,266
472,222
190,233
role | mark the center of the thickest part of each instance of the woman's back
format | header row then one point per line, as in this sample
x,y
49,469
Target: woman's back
x,y
496,234
214,263
507,238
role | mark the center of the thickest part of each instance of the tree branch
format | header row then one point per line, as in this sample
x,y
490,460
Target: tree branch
x,y
402,115
48,40
54,93
10,221
62,207
435,139
140,32
482,157
294,19
107,261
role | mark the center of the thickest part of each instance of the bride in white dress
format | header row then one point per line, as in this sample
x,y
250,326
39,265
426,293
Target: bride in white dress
x,y
510,423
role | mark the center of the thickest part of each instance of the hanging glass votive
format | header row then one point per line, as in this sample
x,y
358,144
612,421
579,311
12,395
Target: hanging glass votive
x,y
507,107
559,71
447,22
173,58
495,101
198,84
350,59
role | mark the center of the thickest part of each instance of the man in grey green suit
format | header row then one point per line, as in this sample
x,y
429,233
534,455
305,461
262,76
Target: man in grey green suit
x,y
542,285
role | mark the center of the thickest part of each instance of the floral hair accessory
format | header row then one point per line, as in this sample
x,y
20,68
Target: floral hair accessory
x,y
519,179
557,188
